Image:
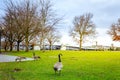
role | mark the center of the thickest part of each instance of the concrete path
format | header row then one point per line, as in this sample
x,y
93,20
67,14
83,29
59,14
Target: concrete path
x,y
8,58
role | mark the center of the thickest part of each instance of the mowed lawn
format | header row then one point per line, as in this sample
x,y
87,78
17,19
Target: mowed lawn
x,y
78,65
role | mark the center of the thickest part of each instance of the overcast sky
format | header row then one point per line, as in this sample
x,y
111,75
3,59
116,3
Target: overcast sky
x,y
105,12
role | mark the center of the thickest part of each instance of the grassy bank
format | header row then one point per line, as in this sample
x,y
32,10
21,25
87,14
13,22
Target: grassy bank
x,y
78,65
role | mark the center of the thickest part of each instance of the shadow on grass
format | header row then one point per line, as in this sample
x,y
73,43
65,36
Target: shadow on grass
x,y
8,74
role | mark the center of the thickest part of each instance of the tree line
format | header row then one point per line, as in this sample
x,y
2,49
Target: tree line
x,y
25,21
28,21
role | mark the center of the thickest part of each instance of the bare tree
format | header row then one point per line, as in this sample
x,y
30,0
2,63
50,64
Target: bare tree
x,y
8,24
14,10
52,37
22,21
115,31
5,45
82,27
47,17
26,21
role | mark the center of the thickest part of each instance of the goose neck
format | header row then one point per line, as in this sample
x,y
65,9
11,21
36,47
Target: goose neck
x,y
59,58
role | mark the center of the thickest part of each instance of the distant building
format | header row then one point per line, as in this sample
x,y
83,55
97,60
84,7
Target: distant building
x,y
47,47
64,47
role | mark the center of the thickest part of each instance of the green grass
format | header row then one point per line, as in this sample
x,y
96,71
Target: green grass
x,y
78,65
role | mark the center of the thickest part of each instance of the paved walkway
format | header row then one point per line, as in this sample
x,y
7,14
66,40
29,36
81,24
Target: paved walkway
x,y
8,58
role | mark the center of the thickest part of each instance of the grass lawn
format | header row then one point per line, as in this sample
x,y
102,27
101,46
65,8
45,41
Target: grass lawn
x,y
78,65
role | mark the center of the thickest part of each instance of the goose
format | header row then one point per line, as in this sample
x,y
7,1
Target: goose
x,y
19,58
16,69
35,57
58,66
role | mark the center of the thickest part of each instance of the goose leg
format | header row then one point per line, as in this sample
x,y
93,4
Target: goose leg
x,y
59,72
55,71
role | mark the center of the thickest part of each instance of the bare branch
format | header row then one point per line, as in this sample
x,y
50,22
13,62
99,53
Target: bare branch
x,y
83,26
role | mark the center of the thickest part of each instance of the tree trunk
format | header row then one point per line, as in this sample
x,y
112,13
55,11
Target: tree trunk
x,y
26,45
43,46
50,47
18,45
80,44
6,45
40,45
5,48
11,46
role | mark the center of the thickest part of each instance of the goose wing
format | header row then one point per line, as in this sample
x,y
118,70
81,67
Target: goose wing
x,y
58,66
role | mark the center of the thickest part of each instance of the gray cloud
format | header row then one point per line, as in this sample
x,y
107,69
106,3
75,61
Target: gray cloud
x,y
105,11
